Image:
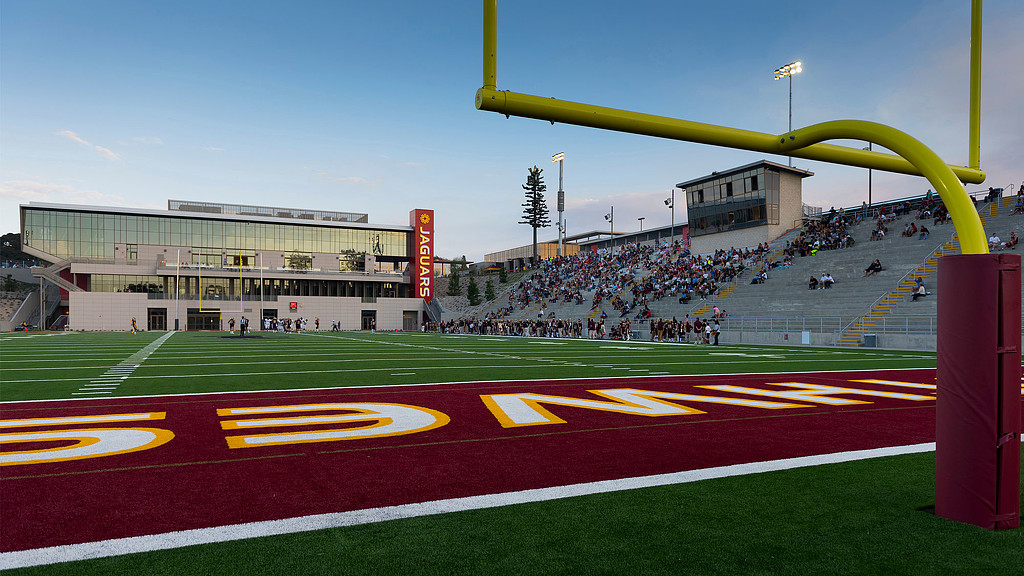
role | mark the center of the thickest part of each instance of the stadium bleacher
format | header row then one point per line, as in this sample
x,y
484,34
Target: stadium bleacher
x,y
640,283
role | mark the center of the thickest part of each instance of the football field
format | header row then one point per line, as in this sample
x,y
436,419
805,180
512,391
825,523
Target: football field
x,y
408,453
72,365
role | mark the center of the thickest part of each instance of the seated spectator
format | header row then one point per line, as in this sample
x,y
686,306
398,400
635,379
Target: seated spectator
x,y
873,268
827,281
1012,242
994,242
924,233
919,292
1019,207
812,283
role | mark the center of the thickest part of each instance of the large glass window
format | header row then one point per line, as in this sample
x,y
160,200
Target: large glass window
x,y
66,234
736,201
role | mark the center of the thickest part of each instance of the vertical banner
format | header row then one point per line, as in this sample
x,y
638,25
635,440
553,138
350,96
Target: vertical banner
x,y
421,254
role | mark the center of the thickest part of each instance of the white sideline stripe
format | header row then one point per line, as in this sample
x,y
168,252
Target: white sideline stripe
x,y
421,385
179,539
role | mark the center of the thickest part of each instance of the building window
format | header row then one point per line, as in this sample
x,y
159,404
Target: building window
x,y
132,251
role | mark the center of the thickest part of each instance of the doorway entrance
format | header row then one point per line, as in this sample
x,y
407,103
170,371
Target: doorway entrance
x,y
157,319
369,321
205,320
410,320
268,314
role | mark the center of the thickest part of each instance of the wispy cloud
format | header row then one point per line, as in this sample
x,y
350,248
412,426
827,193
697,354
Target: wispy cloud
x,y
104,152
212,149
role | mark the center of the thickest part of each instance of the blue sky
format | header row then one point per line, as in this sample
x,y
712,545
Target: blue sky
x,y
368,107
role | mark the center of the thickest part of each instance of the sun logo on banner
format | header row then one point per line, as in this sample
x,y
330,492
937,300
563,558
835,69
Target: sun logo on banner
x,y
425,218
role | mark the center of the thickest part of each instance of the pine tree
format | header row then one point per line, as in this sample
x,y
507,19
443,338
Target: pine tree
x,y
489,291
453,284
473,292
502,276
535,210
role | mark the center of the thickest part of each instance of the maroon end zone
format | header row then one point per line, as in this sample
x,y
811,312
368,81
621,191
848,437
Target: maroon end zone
x,y
195,480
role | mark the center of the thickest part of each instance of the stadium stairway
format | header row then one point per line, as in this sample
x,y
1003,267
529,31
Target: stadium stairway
x,y
997,219
994,216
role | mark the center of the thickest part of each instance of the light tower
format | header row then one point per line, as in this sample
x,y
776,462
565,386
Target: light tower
x,y
561,200
788,71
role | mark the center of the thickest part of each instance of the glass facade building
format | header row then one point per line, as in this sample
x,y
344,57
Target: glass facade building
x,y
77,233
223,257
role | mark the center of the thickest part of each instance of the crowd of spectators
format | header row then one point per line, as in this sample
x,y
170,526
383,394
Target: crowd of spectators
x,y
625,280
828,233
550,328
629,277
698,331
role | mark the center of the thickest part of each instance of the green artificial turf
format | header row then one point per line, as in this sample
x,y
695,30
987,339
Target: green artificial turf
x,y
58,366
867,517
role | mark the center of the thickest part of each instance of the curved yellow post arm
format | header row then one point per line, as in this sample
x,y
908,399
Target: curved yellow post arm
x,y
965,216
912,157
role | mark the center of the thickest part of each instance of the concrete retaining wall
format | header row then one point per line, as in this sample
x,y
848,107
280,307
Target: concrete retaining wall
x,y
897,341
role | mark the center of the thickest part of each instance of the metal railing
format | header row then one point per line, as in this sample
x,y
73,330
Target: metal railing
x,y
208,298
827,324
911,324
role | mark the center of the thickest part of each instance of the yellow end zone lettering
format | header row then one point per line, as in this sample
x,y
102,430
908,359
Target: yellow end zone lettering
x,y
524,409
381,420
815,393
89,442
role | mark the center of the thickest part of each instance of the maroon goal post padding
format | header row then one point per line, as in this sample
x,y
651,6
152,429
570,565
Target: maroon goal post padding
x,y
978,420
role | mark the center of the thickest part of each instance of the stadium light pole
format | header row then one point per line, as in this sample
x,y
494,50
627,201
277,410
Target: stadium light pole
x,y
610,217
177,287
788,71
671,203
869,179
641,219
561,199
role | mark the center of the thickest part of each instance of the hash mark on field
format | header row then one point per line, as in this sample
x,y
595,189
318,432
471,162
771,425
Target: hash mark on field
x,y
120,373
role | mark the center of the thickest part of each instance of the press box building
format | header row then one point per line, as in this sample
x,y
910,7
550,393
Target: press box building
x,y
198,265
743,206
